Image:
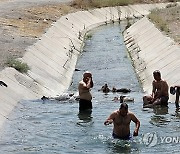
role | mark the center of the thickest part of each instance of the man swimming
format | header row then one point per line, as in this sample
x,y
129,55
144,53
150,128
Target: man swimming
x,y
121,120
105,89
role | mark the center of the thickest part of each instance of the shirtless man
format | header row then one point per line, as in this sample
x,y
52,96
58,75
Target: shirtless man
x,y
160,95
84,91
176,90
121,120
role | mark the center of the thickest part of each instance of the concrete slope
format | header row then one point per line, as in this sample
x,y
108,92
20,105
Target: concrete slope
x,y
53,57
151,50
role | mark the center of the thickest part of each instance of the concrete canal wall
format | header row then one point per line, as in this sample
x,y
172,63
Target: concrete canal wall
x,y
53,57
151,50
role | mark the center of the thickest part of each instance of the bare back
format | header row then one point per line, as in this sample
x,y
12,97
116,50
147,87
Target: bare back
x,y
160,88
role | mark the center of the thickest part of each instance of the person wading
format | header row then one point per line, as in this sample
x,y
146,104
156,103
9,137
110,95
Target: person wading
x,y
84,91
121,120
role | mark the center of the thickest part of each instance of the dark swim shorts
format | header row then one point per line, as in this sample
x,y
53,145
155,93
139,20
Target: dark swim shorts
x,y
128,137
85,104
164,100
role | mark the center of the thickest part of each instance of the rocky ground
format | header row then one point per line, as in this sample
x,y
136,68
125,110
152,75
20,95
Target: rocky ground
x,y
22,22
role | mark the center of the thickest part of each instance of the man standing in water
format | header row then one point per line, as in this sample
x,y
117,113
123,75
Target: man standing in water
x,y
160,95
84,92
121,120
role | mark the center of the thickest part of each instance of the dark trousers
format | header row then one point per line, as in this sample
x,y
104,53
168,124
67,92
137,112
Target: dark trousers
x,y
84,104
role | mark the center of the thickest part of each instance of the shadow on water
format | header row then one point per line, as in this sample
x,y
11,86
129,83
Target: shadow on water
x,y
159,110
122,146
85,116
159,118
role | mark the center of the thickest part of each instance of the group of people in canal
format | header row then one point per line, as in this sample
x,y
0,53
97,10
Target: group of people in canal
x,y
122,117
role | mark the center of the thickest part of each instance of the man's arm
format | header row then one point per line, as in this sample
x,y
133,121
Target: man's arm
x,y
153,89
91,84
110,119
137,122
83,85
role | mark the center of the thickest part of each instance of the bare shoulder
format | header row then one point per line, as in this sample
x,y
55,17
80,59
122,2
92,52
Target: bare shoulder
x,y
81,82
164,82
154,82
131,114
115,112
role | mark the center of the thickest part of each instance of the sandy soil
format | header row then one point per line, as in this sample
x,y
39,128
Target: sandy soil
x,y
22,22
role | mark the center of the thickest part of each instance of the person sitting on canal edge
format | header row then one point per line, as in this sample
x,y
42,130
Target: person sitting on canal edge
x,y
175,90
160,95
121,120
84,91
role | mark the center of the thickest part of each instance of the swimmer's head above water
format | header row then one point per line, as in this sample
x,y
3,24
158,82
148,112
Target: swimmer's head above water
x,y
87,74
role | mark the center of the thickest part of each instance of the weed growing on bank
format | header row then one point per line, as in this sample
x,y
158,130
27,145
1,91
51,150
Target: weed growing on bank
x,y
85,4
18,65
159,22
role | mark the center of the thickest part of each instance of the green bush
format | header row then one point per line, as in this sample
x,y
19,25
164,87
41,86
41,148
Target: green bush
x,y
18,65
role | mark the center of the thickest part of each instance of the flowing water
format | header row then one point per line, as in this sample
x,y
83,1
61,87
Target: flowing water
x,y
58,127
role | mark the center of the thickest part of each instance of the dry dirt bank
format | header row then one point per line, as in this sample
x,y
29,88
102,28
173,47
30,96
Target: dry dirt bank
x,y
22,22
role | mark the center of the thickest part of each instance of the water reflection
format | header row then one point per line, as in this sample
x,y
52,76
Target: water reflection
x,y
160,110
85,116
159,118
177,113
122,146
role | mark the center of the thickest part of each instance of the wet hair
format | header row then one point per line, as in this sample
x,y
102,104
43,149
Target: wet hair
x,y
86,73
157,72
124,105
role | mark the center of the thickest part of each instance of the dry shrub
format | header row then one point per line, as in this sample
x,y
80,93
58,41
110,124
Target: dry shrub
x,y
85,4
159,22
